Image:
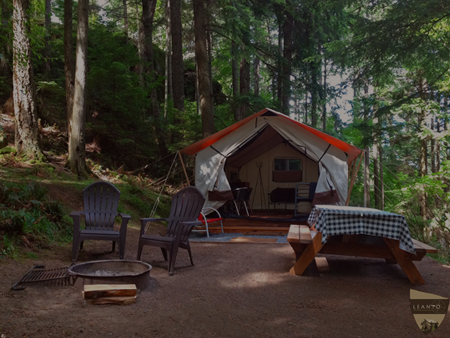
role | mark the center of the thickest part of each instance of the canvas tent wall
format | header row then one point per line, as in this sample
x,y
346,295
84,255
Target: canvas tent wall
x,y
243,141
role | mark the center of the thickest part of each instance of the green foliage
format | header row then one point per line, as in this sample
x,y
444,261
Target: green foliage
x,y
26,215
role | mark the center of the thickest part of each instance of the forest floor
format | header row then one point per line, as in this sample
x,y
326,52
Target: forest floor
x,y
234,290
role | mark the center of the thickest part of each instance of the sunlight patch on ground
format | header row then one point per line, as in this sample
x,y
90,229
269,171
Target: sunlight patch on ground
x,y
252,280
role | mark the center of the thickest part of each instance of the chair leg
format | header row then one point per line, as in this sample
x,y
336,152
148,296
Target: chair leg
x,y
121,248
190,254
237,209
221,225
75,246
245,206
139,253
206,225
173,257
81,245
164,252
113,246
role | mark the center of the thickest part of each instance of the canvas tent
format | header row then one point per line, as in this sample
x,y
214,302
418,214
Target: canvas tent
x,y
252,150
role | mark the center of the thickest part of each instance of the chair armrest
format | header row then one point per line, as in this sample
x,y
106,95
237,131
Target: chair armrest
x,y
124,216
125,219
76,214
76,220
184,228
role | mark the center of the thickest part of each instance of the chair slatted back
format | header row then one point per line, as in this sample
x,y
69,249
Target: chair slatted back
x,y
100,205
186,206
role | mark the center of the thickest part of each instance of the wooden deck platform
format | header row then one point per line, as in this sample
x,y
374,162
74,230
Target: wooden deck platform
x,y
261,221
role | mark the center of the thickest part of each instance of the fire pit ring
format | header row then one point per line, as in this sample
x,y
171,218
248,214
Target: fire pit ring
x,y
113,272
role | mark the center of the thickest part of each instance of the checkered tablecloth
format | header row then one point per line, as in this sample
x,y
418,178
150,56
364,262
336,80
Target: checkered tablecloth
x,y
332,220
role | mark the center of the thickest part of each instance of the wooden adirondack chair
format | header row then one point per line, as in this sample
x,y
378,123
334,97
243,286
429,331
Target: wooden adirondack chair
x,y
100,200
185,210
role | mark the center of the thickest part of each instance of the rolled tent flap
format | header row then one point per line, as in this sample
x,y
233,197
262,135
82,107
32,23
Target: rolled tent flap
x,y
326,192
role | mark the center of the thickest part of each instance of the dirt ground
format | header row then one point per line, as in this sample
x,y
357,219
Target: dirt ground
x,y
234,290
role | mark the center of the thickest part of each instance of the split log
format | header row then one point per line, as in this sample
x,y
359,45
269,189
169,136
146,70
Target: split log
x,y
97,291
114,300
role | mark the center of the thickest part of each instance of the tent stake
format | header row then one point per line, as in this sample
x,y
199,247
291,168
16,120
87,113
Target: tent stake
x,y
184,169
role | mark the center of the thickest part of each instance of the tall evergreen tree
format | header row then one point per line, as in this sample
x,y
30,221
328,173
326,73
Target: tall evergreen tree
x,y
203,79
77,136
25,112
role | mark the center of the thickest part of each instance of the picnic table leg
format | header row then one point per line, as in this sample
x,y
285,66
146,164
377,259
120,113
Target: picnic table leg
x,y
404,261
308,255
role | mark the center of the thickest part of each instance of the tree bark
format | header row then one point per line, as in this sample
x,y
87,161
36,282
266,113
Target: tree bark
x,y
68,61
244,85
148,12
168,92
6,60
235,76
177,55
256,65
367,150
203,80
287,64
280,63
324,98
24,91
376,166
48,21
77,141
314,95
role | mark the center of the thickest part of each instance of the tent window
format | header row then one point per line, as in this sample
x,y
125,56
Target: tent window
x,y
287,170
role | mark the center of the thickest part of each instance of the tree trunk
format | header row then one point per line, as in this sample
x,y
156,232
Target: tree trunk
x,y
24,91
381,180
433,146
141,51
168,90
48,21
423,167
244,86
148,12
177,55
5,48
235,76
201,56
256,65
324,98
68,61
445,125
306,108
367,150
376,164
77,141
280,64
315,77
287,64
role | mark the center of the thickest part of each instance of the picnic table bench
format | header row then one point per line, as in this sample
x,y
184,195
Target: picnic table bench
x,y
308,242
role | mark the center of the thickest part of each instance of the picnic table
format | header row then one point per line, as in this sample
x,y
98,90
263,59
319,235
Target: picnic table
x,y
356,231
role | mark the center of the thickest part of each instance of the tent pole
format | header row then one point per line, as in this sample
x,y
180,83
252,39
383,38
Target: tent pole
x,y
352,182
184,169
351,169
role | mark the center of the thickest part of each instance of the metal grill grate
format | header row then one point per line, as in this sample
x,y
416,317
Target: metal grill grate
x,y
52,277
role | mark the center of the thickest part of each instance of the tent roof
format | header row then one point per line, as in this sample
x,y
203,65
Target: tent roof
x,y
194,148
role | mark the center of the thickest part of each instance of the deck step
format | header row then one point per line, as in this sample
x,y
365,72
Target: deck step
x,y
242,229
